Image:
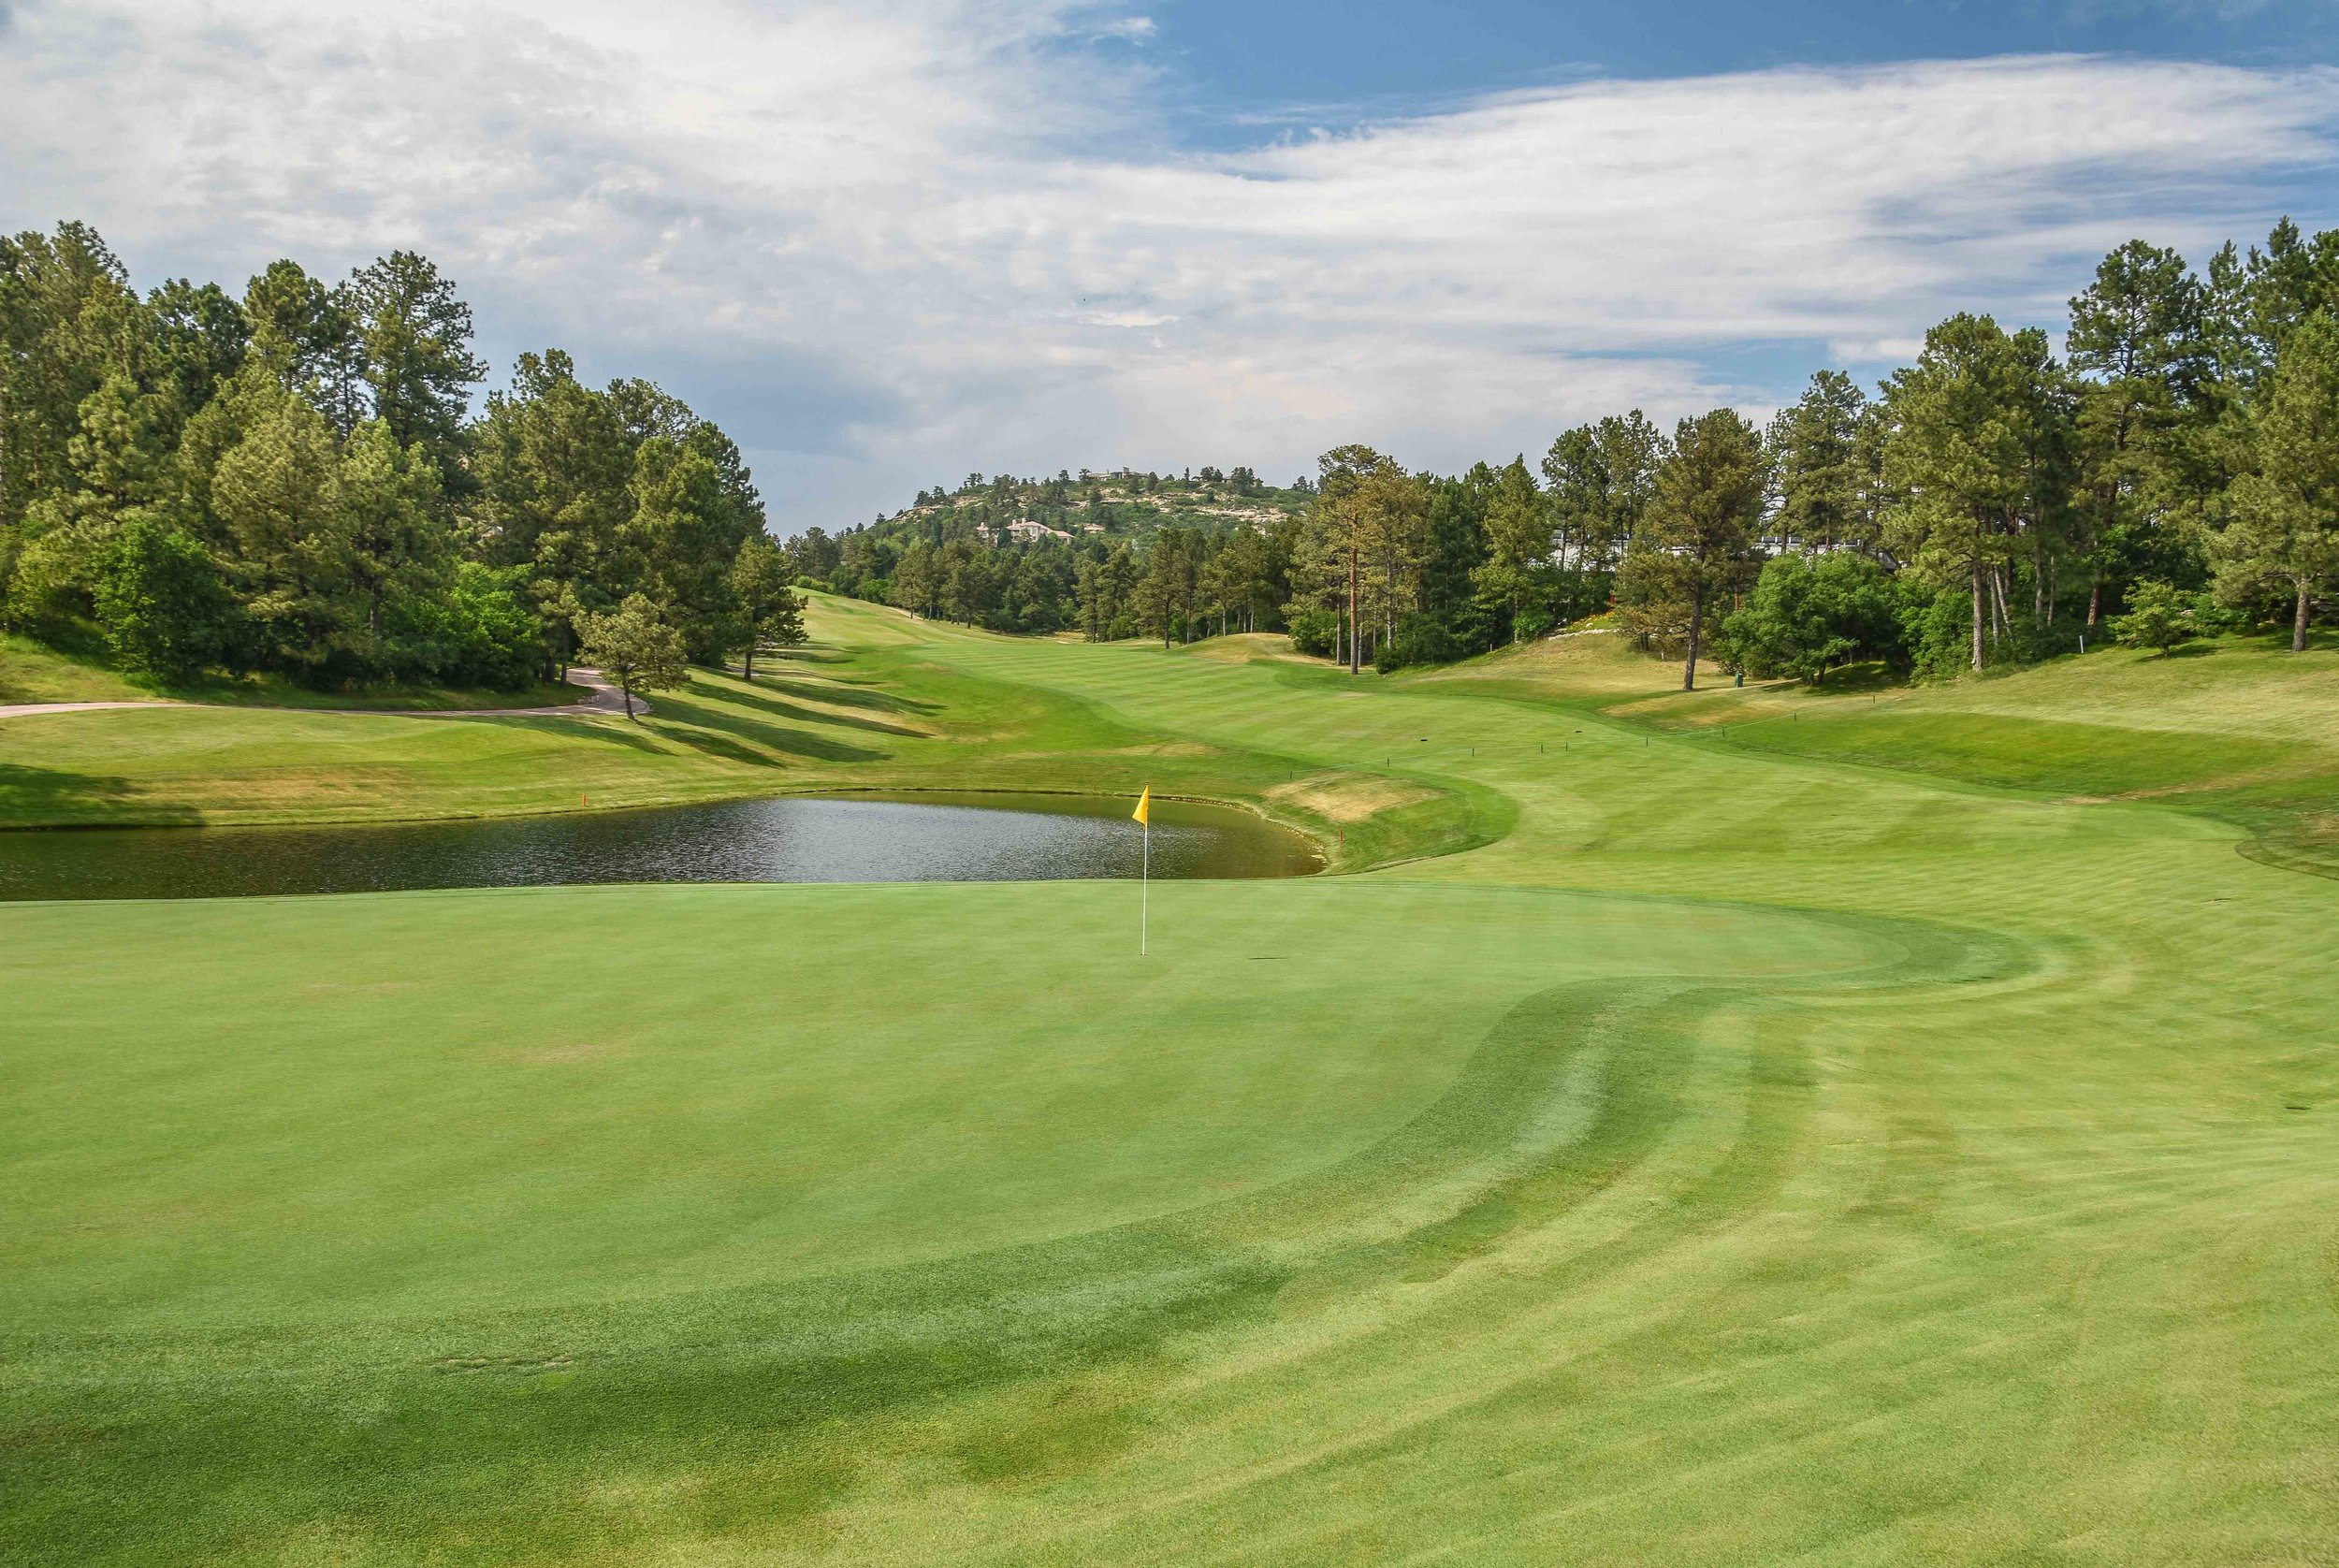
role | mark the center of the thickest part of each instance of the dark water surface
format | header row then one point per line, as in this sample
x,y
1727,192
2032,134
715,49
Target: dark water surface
x,y
921,838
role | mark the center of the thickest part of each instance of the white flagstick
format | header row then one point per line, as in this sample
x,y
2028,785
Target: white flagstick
x,y
1146,889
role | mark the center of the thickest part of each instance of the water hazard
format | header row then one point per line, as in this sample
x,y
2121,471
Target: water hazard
x,y
921,838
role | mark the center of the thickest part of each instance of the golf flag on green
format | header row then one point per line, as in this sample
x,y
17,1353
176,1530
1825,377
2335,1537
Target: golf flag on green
x,y
1143,818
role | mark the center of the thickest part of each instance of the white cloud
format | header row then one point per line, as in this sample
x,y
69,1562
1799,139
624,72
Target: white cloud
x,y
1135,29
906,240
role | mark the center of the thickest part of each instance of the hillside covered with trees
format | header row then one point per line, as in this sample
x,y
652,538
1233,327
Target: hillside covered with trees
x,y
2174,472
1109,555
295,482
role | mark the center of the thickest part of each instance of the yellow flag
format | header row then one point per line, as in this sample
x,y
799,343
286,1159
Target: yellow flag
x,y
1144,806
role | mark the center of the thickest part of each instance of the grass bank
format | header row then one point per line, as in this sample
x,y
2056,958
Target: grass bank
x,y
32,673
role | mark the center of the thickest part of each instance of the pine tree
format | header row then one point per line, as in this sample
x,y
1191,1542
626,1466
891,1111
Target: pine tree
x,y
2158,616
632,646
415,333
277,493
2137,346
1815,445
1697,543
399,548
303,333
67,322
1519,531
1977,461
2286,516
769,608
1365,511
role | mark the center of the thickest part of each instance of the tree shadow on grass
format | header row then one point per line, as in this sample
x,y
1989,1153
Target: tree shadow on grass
x,y
52,796
728,734
631,736
845,694
715,744
828,688
722,742
2322,636
1869,675
779,709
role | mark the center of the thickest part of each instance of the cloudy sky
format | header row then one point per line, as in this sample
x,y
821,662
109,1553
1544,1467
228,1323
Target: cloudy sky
x,y
888,241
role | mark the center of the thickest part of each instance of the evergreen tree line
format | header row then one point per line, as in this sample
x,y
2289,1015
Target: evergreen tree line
x,y
295,482
1179,583
1036,494
1990,503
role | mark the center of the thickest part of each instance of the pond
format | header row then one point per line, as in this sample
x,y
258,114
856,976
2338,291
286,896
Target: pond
x,y
877,838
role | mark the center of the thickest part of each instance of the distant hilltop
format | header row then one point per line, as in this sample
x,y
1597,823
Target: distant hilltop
x,y
1126,503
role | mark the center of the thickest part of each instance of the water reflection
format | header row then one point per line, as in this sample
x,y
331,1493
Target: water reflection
x,y
925,838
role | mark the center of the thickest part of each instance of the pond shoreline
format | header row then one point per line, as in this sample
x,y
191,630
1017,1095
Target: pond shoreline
x,y
865,836
842,791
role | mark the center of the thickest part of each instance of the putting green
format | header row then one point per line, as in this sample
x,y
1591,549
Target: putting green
x,y
1765,1148
520,1115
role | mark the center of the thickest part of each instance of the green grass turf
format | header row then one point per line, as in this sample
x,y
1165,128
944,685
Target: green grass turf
x,y
2242,731
1822,1153
869,707
32,673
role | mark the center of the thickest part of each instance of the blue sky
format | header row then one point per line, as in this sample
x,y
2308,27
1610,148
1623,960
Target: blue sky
x,y
886,242
1235,60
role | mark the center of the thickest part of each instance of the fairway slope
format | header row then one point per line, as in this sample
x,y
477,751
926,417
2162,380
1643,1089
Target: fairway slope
x,y
868,706
1852,1146
2237,732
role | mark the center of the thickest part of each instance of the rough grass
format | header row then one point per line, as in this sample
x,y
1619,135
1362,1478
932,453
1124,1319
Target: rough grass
x,y
33,673
1349,799
1752,1152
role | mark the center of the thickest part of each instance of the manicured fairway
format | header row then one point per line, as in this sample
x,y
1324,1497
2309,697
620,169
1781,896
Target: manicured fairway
x,y
869,707
1767,1147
